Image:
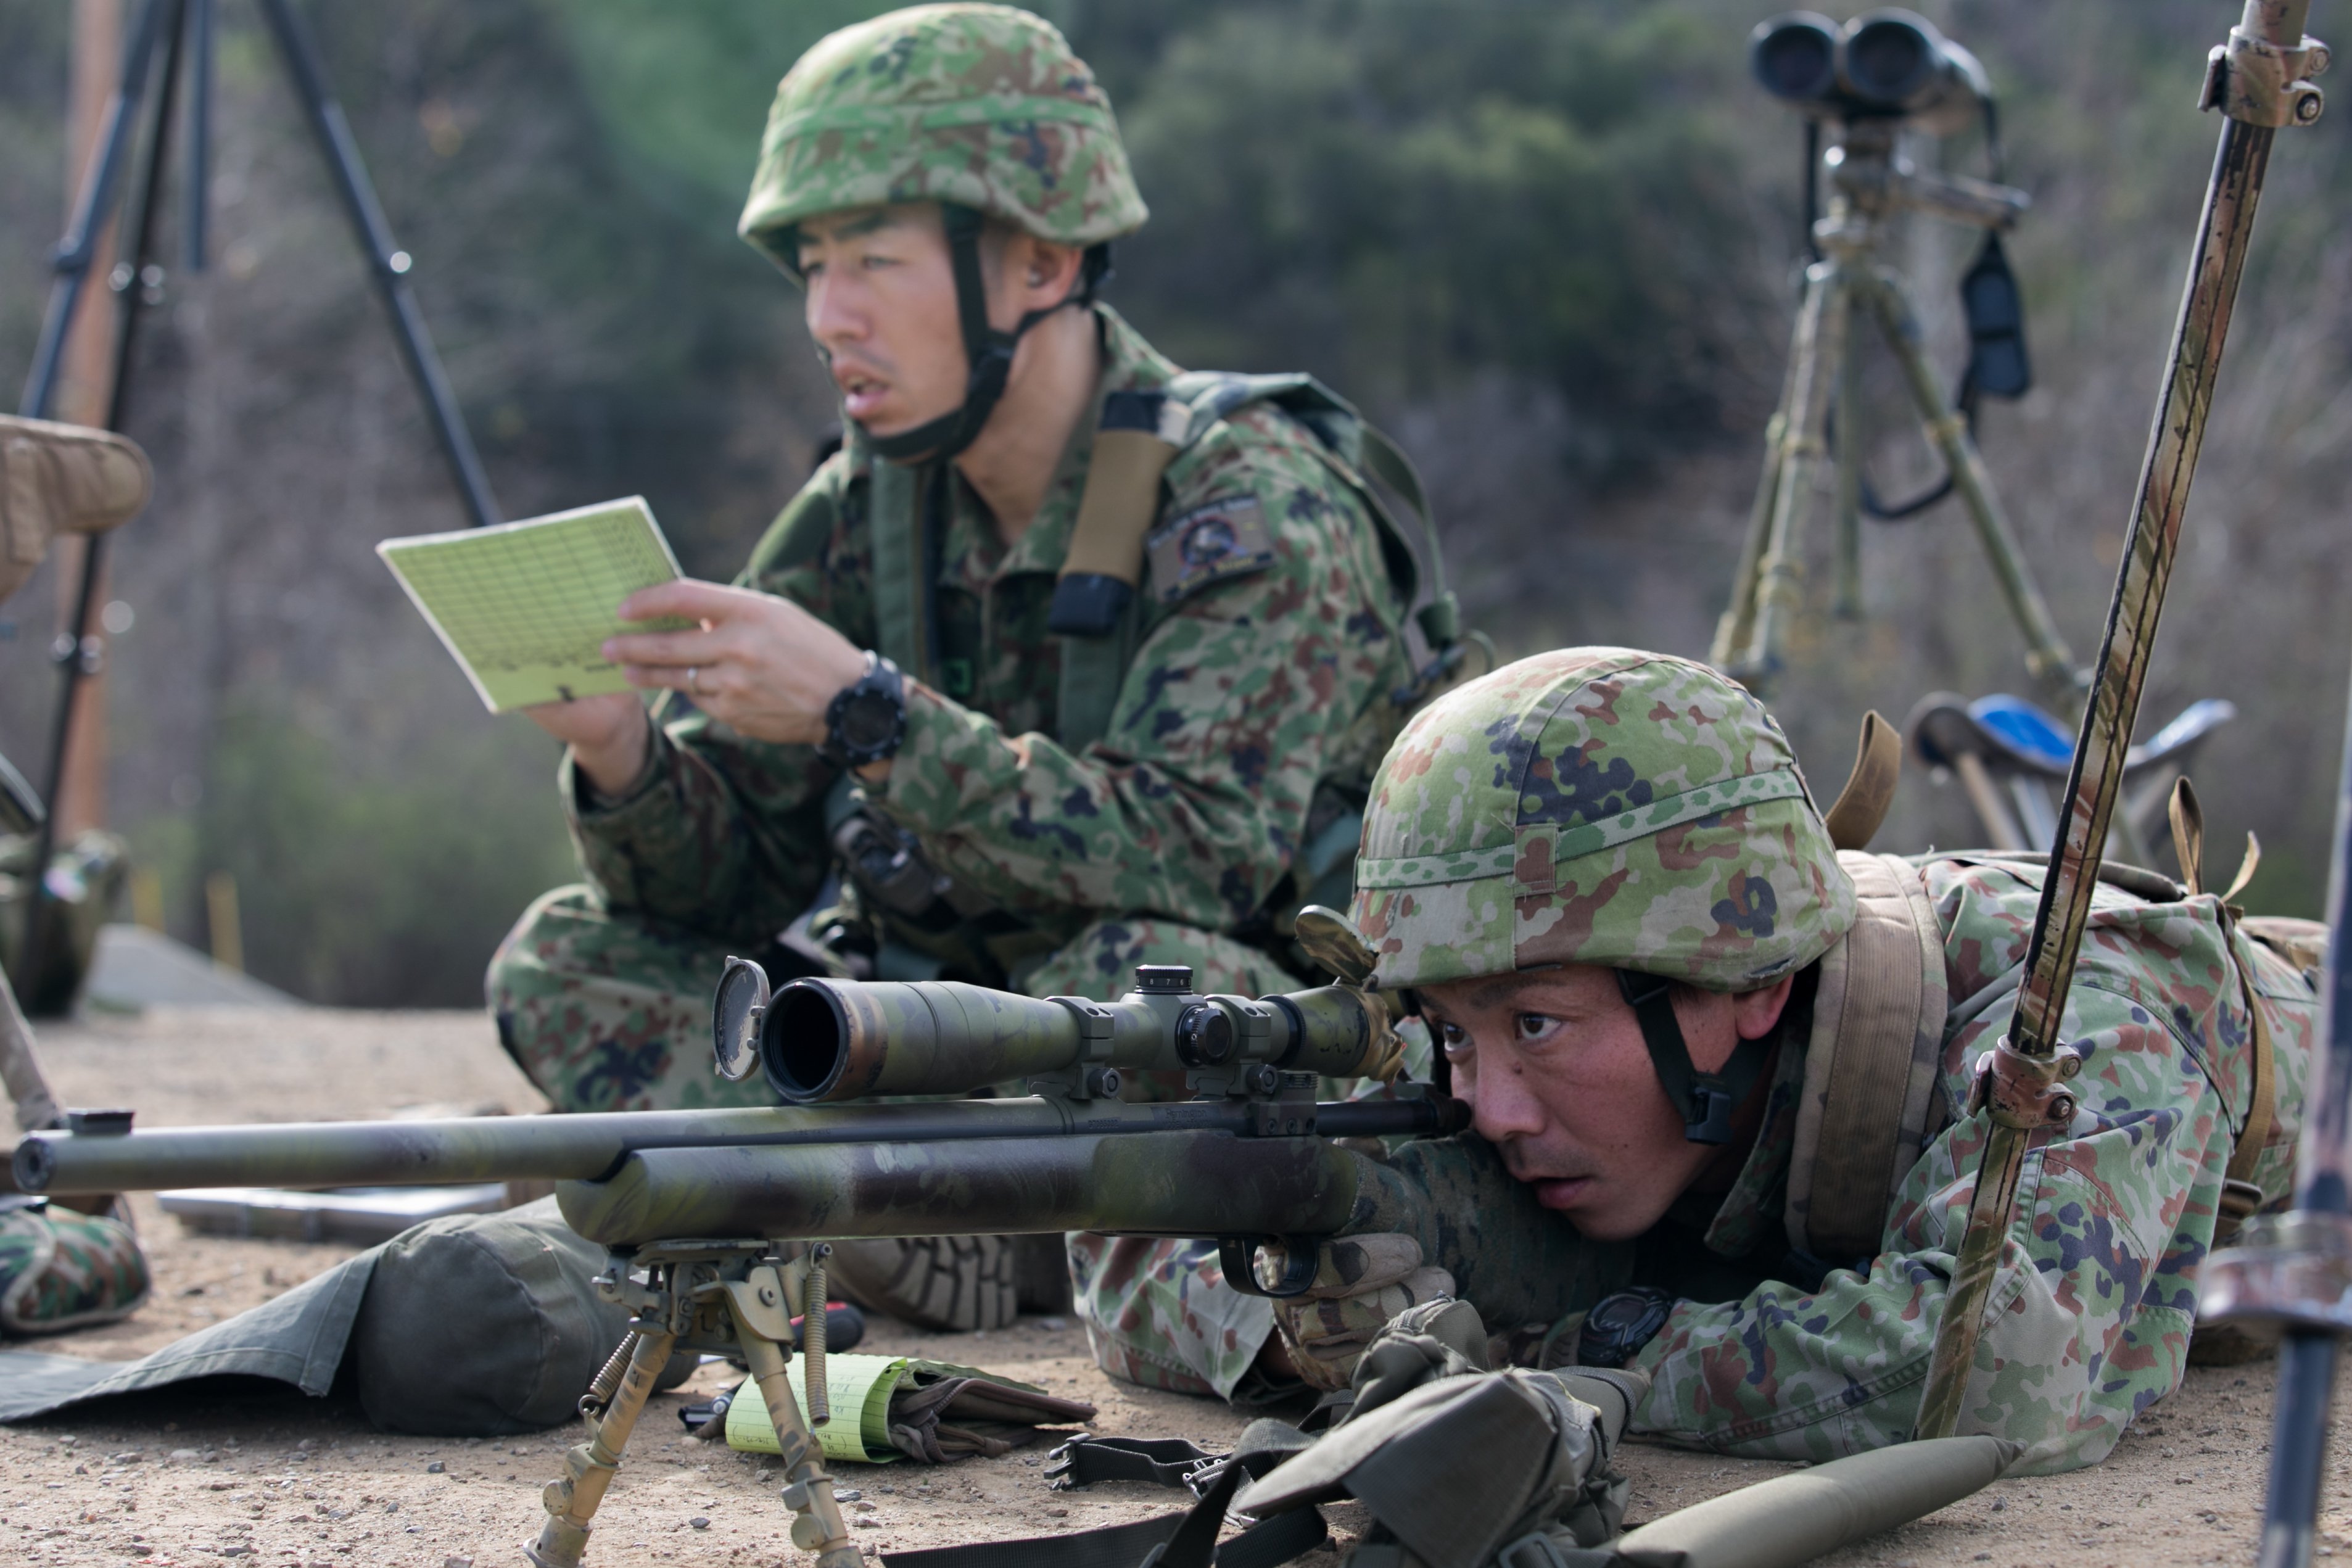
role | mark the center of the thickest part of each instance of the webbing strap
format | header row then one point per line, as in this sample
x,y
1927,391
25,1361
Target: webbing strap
x,y
2240,1196
895,522
1186,1540
1162,1461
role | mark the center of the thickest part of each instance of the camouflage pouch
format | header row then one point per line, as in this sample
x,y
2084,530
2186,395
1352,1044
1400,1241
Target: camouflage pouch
x,y
63,1270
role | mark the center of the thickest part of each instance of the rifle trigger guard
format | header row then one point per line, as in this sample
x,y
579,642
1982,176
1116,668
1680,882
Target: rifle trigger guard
x,y
2027,1091
1237,1256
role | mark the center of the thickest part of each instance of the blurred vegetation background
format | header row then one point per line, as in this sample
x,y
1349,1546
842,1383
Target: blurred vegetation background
x,y
1552,247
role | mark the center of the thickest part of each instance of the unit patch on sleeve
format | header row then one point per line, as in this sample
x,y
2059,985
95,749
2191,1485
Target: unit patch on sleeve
x,y
1215,541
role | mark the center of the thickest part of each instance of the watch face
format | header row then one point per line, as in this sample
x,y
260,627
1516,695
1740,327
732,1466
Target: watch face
x,y
867,719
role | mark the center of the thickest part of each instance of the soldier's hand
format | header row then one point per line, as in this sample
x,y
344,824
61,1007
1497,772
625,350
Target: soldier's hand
x,y
607,733
762,666
1360,1282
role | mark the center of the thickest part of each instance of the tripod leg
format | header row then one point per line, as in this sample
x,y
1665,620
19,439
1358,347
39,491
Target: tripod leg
x,y
762,1332
1737,621
389,264
1845,600
588,1468
2047,654
1819,348
76,250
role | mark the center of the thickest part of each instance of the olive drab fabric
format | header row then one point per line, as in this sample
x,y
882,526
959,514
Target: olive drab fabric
x,y
1770,1351
1596,805
977,106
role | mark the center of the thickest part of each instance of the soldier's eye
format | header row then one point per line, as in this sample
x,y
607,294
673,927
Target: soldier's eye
x,y
1453,1039
1532,1025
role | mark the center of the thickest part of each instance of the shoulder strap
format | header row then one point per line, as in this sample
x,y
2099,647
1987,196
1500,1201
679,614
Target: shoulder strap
x,y
902,587
1871,1062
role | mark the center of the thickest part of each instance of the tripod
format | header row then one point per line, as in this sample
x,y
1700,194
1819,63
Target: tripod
x,y
170,45
1869,186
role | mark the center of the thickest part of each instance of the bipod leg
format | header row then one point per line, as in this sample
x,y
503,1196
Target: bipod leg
x,y
588,1468
1820,349
2047,656
763,1332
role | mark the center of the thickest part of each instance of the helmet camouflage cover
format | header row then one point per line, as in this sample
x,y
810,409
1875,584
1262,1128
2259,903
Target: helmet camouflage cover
x,y
1596,805
979,106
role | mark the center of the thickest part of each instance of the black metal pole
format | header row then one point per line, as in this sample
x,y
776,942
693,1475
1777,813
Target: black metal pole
x,y
77,653
70,261
389,263
196,181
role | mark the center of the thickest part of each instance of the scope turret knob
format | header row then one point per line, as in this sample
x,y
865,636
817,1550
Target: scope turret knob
x,y
1204,1035
1163,979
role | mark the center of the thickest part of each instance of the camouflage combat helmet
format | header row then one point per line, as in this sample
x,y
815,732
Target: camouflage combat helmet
x,y
1597,805
981,109
975,106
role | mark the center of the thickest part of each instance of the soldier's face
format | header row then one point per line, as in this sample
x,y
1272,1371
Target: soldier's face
x,y
1554,1068
881,303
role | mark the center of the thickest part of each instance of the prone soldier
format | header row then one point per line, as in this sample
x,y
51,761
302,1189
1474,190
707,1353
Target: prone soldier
x,y
1721,1076
1067,660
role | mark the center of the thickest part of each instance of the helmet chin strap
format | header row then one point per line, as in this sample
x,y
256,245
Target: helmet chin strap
x,y
987,352
1707,1099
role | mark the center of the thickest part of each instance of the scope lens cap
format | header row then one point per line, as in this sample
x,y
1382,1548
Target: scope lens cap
x,y
1795,56
1891,55
735,1014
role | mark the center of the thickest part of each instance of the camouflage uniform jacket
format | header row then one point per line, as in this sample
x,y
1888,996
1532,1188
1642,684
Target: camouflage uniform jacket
x,y
1259,676
2091,1319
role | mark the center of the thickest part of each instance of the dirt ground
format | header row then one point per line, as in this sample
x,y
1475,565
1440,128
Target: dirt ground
x,y
198,1479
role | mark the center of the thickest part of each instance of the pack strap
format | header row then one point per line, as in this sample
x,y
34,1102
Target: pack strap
x,y
2240,1194
1186,1540
898,511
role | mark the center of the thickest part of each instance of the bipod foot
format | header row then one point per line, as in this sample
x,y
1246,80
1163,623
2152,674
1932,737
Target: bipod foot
x,y
611,1407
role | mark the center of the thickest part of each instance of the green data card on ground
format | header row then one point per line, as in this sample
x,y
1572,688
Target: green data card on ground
x,y
526,607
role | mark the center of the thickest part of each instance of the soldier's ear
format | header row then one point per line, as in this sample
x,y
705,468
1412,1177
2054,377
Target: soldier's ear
x,y
1756,1014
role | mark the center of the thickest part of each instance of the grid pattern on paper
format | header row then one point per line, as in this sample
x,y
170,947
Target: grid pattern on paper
x,y
538,596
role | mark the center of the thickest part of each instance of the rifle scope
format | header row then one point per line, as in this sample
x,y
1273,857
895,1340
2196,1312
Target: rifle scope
x,y
1884,65
821,1040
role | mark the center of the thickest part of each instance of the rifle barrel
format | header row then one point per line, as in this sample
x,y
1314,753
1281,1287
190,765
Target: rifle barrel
x,y
589,1146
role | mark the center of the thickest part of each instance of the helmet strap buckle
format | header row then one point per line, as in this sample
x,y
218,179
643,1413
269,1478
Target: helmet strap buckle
x,y
1707,1099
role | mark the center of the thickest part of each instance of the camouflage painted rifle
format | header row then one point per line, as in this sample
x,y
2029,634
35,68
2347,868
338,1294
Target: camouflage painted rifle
x,y
705,1211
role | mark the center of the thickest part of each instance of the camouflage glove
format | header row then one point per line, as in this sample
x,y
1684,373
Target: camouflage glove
x,y
1359,1284
61,479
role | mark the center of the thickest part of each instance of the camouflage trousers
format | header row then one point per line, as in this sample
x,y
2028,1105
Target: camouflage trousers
x,y
609,1011
61,1269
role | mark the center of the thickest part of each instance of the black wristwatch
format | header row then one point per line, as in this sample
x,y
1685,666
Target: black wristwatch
x,y
1620,1325
866,720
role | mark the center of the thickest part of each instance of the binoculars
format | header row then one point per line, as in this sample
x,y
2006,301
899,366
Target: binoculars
x,y
1884,65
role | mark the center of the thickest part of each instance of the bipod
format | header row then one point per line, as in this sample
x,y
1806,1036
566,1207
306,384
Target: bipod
x,y
1822,393
171,43
728,1297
